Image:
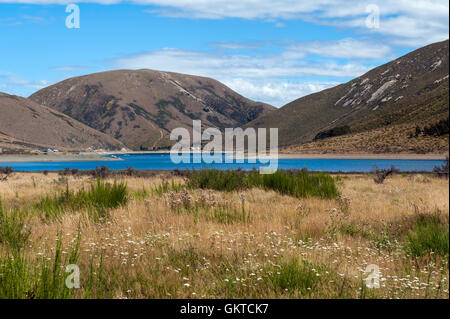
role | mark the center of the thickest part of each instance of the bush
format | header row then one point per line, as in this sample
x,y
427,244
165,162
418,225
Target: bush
x,y
298,184
443,170
6,170
217,179
294,183
382,174
100,197
337,131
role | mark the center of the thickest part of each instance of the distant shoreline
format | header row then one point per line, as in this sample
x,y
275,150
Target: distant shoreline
x,y
82,157
282,155
101,157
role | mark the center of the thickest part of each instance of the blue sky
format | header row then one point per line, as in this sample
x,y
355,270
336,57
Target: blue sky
x,y
267,50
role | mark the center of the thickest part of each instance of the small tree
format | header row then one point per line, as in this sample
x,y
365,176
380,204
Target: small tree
x,y
382,174
443,170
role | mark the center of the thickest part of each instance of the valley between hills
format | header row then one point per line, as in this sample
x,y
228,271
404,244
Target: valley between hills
x,y
397,108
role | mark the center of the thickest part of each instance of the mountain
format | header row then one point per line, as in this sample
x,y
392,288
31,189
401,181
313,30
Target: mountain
x,y
141,107
377,111
26,125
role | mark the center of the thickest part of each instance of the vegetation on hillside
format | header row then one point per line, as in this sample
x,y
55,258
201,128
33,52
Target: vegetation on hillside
x,y
337,131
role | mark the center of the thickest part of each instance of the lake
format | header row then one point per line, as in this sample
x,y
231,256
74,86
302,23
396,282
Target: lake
x,y
163,162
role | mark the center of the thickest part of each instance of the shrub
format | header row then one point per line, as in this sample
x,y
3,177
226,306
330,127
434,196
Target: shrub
x,y
337,131
6,170
217,179
98,199
443,170
382,174
294,183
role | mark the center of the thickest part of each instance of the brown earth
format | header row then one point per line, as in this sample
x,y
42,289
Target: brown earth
x,y
26,125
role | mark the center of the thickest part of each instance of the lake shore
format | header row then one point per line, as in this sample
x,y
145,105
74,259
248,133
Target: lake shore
x,y
101,156
82,157
281,155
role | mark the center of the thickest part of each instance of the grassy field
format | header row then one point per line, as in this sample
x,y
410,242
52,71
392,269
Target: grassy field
x,y
297,235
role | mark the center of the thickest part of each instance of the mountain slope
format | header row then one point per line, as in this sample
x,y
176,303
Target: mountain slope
x,y
26,125
411,90
141,107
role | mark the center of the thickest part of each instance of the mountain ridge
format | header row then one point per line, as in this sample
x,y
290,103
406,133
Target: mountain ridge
x,y
26,125
141,107
410,89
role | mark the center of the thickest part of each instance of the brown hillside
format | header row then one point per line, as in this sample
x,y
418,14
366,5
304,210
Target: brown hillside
x,y
26,125
410,90
141,107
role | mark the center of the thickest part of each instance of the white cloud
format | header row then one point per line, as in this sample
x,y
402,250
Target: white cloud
x,y
345,48
275,92
211,65
13,84
275,79
406,22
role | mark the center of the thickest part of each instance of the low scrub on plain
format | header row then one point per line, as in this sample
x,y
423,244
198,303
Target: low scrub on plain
x,y
298,184
100,197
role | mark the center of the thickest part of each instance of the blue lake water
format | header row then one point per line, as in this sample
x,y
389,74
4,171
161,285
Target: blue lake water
x,y
163,162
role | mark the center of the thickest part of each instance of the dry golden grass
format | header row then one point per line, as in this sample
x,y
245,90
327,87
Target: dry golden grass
x,y
148,250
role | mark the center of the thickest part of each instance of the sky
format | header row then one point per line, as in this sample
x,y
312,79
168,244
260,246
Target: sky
x,y
272,51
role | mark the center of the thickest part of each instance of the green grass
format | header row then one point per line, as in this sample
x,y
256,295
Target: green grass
x,y
101,197
428,235
296,276
22,278
220,212
166,187
228,215
13,228
298,184
221,180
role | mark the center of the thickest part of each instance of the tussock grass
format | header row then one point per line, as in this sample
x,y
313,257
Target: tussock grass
x,y
13,228
428,235
298,184
100,197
